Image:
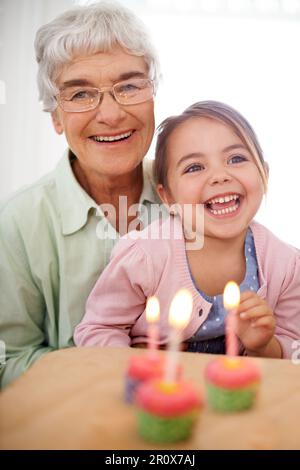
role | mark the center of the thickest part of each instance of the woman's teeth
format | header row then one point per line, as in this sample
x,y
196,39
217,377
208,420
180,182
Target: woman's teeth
x,y
100,138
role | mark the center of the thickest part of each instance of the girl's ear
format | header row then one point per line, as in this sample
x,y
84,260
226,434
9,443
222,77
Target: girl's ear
x,y
163,194
166,197
57,122
267,169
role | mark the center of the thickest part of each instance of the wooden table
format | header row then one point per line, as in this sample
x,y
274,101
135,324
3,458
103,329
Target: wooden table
x,y
73,399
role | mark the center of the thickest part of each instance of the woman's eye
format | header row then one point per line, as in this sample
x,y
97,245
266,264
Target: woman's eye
x,y
237,159
82,95
127,88
193,168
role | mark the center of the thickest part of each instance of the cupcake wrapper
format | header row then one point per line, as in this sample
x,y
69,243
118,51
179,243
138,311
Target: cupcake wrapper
x,y
222,399
130,388
158,429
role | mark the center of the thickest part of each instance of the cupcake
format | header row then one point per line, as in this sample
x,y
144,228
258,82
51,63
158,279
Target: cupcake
x,y
166,412
232,383
141,368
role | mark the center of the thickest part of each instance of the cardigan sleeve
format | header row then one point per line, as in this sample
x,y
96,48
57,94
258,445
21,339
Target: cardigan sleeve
x,y
287,310
117,299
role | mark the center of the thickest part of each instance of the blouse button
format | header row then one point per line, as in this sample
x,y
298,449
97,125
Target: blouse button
x,y
200,312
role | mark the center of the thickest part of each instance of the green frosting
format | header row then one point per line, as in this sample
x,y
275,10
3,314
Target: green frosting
x,y
160,429
222,399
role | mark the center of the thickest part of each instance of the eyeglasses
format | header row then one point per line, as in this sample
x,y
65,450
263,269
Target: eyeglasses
x,y
78,99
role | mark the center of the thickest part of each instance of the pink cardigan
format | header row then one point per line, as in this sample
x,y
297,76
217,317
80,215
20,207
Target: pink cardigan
x,y
141,267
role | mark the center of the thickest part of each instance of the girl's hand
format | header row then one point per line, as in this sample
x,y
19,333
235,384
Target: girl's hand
x,y
255,322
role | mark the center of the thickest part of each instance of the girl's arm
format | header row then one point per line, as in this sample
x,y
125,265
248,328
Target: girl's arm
x,y
118,298
272,349
287,309
256,326
272,333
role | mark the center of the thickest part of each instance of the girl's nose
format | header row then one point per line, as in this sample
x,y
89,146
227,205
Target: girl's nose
x,y
220,178
109,111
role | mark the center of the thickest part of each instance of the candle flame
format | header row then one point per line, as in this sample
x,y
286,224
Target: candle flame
x,y
152,309
232,363
231,296
181,309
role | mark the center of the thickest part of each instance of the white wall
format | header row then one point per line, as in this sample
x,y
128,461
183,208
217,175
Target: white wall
x,y
28,145
254,66
251,63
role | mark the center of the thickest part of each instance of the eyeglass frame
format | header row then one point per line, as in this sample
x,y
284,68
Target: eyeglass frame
x,y
111,90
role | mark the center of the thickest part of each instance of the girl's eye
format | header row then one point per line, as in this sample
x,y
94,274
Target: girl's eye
x,y
193,168
237,159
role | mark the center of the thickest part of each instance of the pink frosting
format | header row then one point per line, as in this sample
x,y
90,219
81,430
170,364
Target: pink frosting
x,y
155,397
148,366
219,373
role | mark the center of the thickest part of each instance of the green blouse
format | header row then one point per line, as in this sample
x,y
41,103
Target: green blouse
x,y
52,250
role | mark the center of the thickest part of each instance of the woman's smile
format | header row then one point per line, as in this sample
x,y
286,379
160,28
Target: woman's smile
x,y
120,137
109,128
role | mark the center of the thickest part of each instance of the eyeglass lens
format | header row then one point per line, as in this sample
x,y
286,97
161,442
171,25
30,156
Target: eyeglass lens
x,y
128,92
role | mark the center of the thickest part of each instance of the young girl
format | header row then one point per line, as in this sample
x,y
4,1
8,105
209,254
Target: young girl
x,y
208,155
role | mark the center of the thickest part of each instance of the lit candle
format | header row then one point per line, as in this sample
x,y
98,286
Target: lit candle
x,y
152,316
231,300
179,316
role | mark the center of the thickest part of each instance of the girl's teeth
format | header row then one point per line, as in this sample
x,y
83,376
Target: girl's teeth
x,y
225,211
221,200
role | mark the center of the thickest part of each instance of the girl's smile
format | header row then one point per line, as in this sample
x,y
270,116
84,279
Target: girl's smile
x,y
209,164
224,205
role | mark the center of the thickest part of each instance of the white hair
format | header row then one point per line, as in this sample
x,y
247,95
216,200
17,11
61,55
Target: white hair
x,y
89,29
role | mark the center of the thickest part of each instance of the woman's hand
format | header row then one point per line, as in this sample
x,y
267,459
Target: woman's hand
x,y
255,323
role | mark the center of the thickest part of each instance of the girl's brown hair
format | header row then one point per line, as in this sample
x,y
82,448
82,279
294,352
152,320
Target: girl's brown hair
x,y
214,110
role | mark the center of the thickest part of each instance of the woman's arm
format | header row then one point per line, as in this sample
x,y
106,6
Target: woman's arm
x,y
22,307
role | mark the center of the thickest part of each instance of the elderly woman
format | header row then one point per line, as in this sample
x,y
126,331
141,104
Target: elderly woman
x,y
97,77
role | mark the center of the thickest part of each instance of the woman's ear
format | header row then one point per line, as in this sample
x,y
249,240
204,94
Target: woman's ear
x,y
57,122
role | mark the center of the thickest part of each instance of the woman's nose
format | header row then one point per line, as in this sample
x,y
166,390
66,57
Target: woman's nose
x,y
109,111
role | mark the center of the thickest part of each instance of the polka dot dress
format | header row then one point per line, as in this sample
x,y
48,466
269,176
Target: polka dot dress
x,y
210,336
